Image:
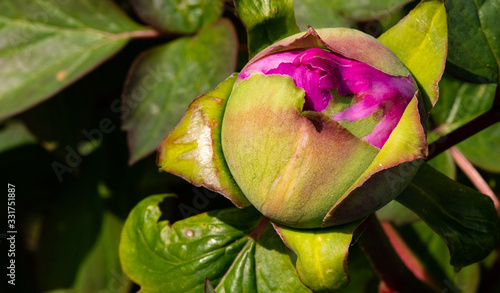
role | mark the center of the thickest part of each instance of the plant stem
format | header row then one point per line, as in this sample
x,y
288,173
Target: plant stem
x,y
474,176
407,256
482,122
386,262
144,34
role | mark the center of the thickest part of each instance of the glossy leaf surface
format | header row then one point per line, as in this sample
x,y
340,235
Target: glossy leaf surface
x,y
266,22
474,50
237,250
321,255
167,78
178,16
464,218
421,38
460,102
45,46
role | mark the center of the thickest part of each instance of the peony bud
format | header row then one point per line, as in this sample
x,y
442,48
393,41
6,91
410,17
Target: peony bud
x,y
322,128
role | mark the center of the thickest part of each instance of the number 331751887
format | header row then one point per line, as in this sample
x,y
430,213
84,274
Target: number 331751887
x,y
11,189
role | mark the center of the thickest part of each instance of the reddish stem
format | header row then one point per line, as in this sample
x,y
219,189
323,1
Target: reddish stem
x,y
407,256
386,262
260,227
474,176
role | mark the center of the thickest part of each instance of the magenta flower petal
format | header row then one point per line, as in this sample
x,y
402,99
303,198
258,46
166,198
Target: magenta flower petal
x,y
319,71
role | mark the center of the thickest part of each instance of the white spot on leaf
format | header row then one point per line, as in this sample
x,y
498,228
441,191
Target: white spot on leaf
x,y
189,233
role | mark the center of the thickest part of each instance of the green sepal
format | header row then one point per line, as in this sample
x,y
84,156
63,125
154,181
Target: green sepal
x,y
193,149
420,41
463,217
321,254
164,80
389,173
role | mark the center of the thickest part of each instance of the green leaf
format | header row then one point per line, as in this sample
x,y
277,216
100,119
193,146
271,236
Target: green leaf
x,y
237,250
183,17
46,46
166,79
464,218
193,150
420,42
474,49
264,267
319,14
360,10
276,272
432,252
341,13
397,214
101,268
321,255
483,148
13,134
266,22
445,164
461,102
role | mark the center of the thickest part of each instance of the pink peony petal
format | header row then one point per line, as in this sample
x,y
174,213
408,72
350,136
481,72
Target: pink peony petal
x,y
318,71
